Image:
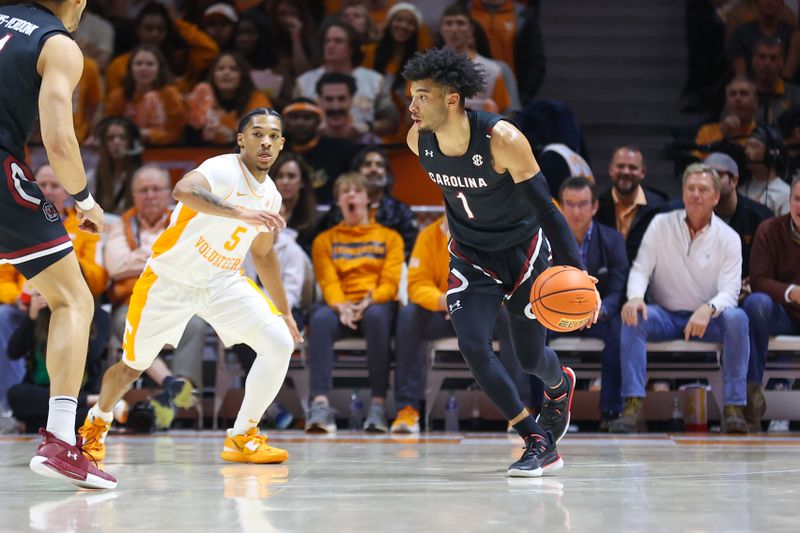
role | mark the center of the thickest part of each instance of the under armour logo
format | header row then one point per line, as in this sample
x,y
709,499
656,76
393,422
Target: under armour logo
x,y
72,455
455,306
477,160
429,153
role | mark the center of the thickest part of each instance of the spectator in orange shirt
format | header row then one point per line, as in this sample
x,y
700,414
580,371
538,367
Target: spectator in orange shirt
x,y
149,98
216,105
738,117
187,49
120,151
86,99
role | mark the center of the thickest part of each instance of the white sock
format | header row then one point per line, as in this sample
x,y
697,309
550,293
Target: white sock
x,y
266,376
96,412
61,418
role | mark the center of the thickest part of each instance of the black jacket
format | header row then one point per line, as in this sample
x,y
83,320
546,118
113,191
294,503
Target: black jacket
x,y
607,215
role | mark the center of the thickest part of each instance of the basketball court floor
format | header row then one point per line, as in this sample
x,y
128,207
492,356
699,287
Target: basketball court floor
x,y
435,483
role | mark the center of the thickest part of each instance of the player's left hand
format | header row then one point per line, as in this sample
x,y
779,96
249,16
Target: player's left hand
x,y
91,220
598,305
293,329
698,322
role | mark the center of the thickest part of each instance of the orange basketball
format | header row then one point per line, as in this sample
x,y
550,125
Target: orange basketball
x,y
563,298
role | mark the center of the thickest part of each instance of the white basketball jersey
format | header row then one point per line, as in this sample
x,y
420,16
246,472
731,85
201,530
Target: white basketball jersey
x,y
198,249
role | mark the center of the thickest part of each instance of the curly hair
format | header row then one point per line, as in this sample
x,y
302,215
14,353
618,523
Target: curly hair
x,y
447,68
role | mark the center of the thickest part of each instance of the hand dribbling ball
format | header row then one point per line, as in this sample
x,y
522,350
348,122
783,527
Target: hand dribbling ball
x,y
563,298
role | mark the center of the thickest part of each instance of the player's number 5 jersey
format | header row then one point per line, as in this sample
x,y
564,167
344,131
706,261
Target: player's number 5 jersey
x,y
197,249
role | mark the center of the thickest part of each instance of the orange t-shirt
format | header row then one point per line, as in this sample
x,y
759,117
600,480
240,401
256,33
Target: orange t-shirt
x,y
501,29
204,110
160,114
86,99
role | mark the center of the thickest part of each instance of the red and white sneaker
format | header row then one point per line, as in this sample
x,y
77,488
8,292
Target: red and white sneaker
x,y
58,460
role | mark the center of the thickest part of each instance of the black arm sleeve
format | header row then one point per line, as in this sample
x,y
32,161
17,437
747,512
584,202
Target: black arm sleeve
x,y
564,246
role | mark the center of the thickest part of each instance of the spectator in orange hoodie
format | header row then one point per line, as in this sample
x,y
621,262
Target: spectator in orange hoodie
x,y
358,265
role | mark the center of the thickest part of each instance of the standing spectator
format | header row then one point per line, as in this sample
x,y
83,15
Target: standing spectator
x,y
328,157
603,252
372,110
188,50
456,29
358,264
738,117
120,152
426,318
690,262
216,105
403,36
373,163
219,21
292,177
765,156
516,39
629,206
768,24
774,94
774,306
149,98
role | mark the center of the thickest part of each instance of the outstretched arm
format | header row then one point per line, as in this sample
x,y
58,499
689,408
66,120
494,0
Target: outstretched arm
x,y
194,191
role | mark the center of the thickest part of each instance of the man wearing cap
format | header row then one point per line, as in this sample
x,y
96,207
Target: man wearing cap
x,y
765,154
218,22
329,157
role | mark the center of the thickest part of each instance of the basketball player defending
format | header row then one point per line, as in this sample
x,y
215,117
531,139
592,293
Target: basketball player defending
x,y
41,66
227,206
497,203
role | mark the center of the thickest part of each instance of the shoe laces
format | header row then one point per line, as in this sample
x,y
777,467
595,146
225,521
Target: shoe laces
x,y
91,436
534,444
258,438
87,448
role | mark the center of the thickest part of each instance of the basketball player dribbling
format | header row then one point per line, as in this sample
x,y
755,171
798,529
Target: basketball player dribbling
x,y
227,207
41,66
499,211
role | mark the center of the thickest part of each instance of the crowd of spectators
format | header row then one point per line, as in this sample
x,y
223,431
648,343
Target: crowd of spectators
x,y
174,73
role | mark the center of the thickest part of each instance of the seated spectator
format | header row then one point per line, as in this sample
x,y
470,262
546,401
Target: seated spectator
x,y
16,298
187,50
358,265
216,105
769,23
516,39
149,98
86,100
603,252
559,162
29,400
774,306
292,177
292,34
403,36
789,124
765,155
95,35
774,94
335,92
372,110
250,40
219,21
743,11
120,154
128,246
456,29
738,117
628,206
357,16
327,157
373,163
693,294
426,318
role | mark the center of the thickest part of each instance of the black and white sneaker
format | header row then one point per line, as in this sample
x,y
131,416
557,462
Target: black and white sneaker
x,y
540,457
555,412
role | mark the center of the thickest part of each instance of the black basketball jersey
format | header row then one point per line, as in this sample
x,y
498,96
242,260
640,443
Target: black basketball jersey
x,y
23,31
485,210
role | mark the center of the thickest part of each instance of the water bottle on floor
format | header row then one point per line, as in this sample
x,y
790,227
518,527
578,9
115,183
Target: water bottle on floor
x,y
356,412
451,414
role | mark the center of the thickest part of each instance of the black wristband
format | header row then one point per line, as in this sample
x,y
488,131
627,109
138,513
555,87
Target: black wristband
x,y
81,195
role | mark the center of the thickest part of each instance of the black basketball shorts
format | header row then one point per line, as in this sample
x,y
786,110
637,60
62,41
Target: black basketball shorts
x,y
32,236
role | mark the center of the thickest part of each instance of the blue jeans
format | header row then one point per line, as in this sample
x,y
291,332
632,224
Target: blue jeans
x,y
730,328
11,372
610,374
767,318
